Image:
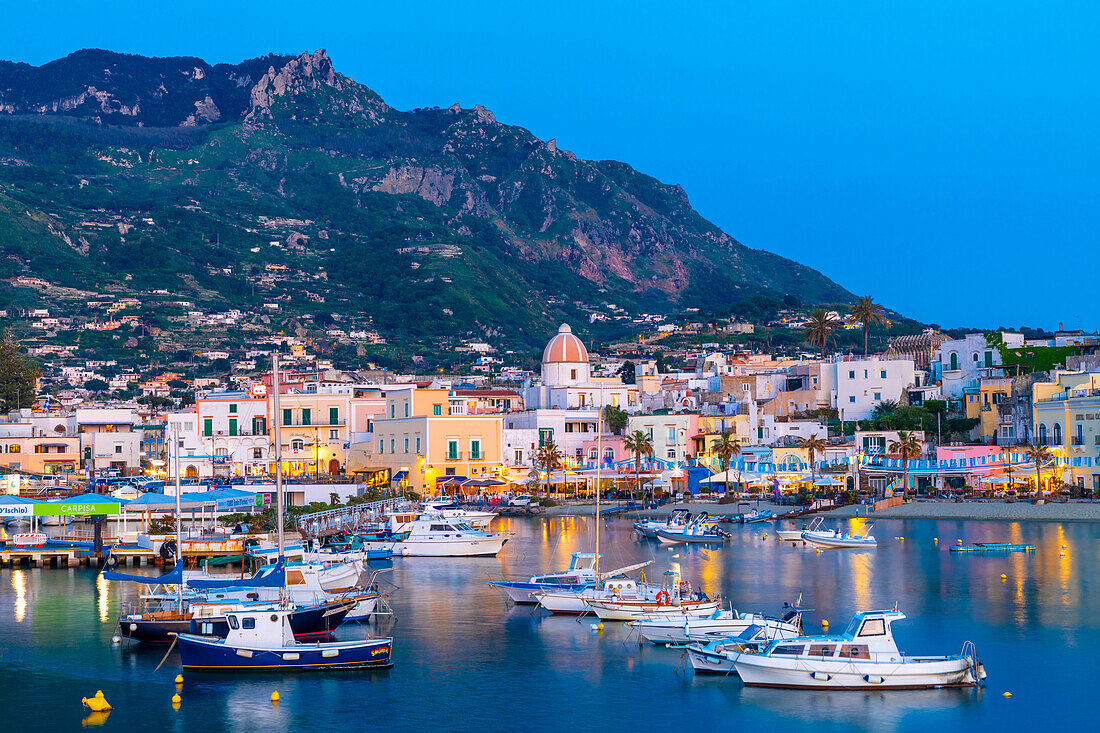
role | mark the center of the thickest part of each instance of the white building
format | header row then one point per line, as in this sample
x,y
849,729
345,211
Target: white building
x,y
963,362
233,427
567,382
860,385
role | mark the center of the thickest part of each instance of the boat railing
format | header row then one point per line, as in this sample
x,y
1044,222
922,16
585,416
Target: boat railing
x,y
347,518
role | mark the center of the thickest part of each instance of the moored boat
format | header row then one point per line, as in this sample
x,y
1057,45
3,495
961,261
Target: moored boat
x,y
437,536
832,539
720,624
864,657
716,655
580,574
700,530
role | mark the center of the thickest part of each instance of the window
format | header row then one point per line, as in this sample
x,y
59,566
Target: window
x,y
232,408
334,415
257,452
233,623
1057,434
307,418
873,627
878,396
437,409
851,374
475,449
670,434
954,362
672,454
851,398
381,446
1042,433
882,374
406,409
393,444
989,358
287,419
569,427
297,444
592,454
207,426
393,411
418,444
452,450
248,622
519,457
546,435
572,373
406,444
232,426
334,434
118,448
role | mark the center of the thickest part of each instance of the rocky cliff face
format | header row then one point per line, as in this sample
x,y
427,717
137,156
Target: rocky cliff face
x,y
490,184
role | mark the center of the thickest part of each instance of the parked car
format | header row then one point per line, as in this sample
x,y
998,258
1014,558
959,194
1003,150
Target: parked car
x,y
521,500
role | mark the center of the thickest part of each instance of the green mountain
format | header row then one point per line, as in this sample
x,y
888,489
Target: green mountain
x,y
280,186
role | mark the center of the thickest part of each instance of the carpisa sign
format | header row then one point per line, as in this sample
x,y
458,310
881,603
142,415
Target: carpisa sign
x,y
78,510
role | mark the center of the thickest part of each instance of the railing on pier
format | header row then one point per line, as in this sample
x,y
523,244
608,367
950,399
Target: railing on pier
x,y
347,518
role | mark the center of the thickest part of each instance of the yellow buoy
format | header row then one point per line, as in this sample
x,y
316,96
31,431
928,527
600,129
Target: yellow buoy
x,y
179,679
819,551
824,624
902,539
176,699
96,704
1061,554
275,697
1004,577
1063,547
765,536
959,543
935,539
1006,694
599,626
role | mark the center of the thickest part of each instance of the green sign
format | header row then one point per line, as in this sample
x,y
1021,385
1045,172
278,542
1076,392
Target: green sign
x,y
76,509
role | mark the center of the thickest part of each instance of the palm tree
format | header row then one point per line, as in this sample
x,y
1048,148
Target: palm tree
x,y
549,458
726,446
907,446
820,329
868,312
1041,454
813,445
638,443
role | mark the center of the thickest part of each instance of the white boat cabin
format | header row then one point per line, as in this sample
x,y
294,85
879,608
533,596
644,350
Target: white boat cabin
x,y
868,637
263,630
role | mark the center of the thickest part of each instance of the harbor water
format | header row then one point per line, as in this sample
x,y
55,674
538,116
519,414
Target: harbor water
x,y
468,660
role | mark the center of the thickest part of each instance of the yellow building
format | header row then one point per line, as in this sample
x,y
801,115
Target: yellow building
x,y
711,428
992,392
313,432
1067,417
429,437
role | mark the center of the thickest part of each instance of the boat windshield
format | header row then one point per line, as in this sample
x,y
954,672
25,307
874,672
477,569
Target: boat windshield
x,y
750,633
853,626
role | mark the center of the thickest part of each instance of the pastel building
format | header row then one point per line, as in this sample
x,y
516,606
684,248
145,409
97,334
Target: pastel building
x,y
233,427
1067,417
963,362
860,385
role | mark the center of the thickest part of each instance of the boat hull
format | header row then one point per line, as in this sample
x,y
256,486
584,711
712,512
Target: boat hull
x,y
459,547
205,653
527,593
317,622
672,538
707,662
789,535
634,611
682,631
838,542
803,673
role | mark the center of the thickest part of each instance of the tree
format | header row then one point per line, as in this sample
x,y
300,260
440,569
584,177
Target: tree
x,y
907,446
813,446
883,409
615,419
549,458
96,385
1041,454
638,443
868,313
626,372
18,376
821,329
726,446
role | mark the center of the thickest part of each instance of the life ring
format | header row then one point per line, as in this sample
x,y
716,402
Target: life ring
x,y
664,598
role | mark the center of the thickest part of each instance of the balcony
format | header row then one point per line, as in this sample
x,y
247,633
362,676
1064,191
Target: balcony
x,y
1077,440
453,456
326,424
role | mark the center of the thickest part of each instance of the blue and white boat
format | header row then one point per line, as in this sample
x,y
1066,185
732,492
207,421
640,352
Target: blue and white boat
x,y
700,530
580,574
264,640
676,520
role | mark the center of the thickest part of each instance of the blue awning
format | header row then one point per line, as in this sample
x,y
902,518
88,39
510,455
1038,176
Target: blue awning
x,y
276,578
399,476
175,577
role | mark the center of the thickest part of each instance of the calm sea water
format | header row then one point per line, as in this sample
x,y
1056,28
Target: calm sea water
x,y
467,660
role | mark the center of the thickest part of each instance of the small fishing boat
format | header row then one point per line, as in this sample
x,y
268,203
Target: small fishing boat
x,y
437,536
832,539
580,574
265,640
700,530
676,520
719,625
716,655
610,584
993,547
755,516
817,525
675,600
864,657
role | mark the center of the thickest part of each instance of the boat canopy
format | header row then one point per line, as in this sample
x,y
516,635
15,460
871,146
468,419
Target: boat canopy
x,y
276,578
175,577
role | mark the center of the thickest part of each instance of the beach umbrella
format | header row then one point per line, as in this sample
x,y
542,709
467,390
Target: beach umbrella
x,y
484,482
828,481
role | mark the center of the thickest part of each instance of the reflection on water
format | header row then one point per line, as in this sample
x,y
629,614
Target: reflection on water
x,y
466,659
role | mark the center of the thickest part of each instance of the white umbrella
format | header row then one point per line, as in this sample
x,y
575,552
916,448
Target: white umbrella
x,y
828,481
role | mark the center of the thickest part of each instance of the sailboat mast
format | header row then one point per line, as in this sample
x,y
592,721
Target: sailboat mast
x,y
179,512
278,452
599,460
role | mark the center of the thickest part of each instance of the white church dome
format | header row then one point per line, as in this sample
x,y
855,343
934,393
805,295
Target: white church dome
x,y
565,348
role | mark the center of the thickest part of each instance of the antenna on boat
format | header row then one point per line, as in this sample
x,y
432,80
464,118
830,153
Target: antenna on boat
x,y
278,463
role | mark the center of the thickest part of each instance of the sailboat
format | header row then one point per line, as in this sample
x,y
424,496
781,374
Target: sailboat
x,y
264,639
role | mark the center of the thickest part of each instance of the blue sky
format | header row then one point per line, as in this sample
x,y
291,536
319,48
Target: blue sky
x,y
940,156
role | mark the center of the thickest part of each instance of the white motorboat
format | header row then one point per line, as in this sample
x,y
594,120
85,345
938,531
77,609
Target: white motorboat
x,y
613,583
437,536
864,657
817,525
446,507
716,655
676,520
675,600
580,574
700,530
720,624
832,539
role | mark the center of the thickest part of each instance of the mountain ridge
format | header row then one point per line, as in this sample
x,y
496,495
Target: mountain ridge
x,y
290,138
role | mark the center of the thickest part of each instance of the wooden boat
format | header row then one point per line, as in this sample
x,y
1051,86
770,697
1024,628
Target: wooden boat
x,y
264,640
864,657
675,600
